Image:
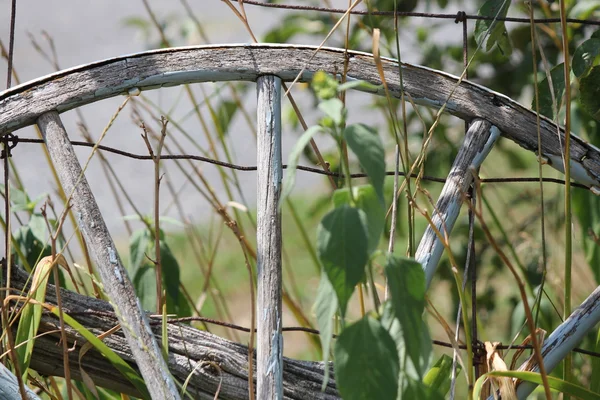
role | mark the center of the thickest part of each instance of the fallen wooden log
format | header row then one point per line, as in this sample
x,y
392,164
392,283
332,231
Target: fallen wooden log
x,y
211,363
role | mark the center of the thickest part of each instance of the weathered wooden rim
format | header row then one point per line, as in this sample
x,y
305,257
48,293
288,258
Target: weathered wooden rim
x,y
21,105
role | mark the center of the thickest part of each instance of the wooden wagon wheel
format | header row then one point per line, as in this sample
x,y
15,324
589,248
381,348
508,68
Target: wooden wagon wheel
x,y
40,101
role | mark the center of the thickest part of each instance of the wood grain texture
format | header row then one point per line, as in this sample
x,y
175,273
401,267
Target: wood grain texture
x,y
564,339
269,344
479,140
22,105
210,360
114,278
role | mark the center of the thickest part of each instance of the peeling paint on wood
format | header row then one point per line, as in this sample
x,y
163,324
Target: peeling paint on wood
x,y
564,338
269,345
479,140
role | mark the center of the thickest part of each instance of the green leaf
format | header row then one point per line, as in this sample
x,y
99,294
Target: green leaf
x,y
19,200
590,93
342,249
366,144
406,281
584,56
39,228
497,30
366,363
144,283
144,273
326,305
170,277
33,239
32,315
139,246
334,109
367,200
547,107
409,370
534,377
440,375
414,389
290,173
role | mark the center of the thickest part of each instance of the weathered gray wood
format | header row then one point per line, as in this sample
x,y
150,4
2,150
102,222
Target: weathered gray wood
x,y
210,360
116,283
22,105
479,140
565,338
269,344
9,386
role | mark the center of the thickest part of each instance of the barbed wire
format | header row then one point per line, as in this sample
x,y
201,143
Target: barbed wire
x,y
157,320
458,17
16,139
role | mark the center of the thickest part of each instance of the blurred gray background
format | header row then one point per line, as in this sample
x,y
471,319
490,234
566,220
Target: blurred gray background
x,y
84,32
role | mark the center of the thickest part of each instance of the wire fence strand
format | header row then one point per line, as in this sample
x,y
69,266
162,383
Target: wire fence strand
x,y
11,141
14,140
458,17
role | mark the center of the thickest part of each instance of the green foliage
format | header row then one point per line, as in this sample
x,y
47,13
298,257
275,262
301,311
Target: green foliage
x,y
419,390
326,306
554,383
143,273
370,351
334,113
342,239
439,376
406,281
366,364
33,240
32,315
20,201
290,173
590,92
585,55
368,201
324,86
493,32
366,144
550,98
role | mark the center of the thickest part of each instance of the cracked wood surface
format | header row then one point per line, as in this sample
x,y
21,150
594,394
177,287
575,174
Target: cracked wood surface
x,y
211,360
269,342
21,105
478,142
112,273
